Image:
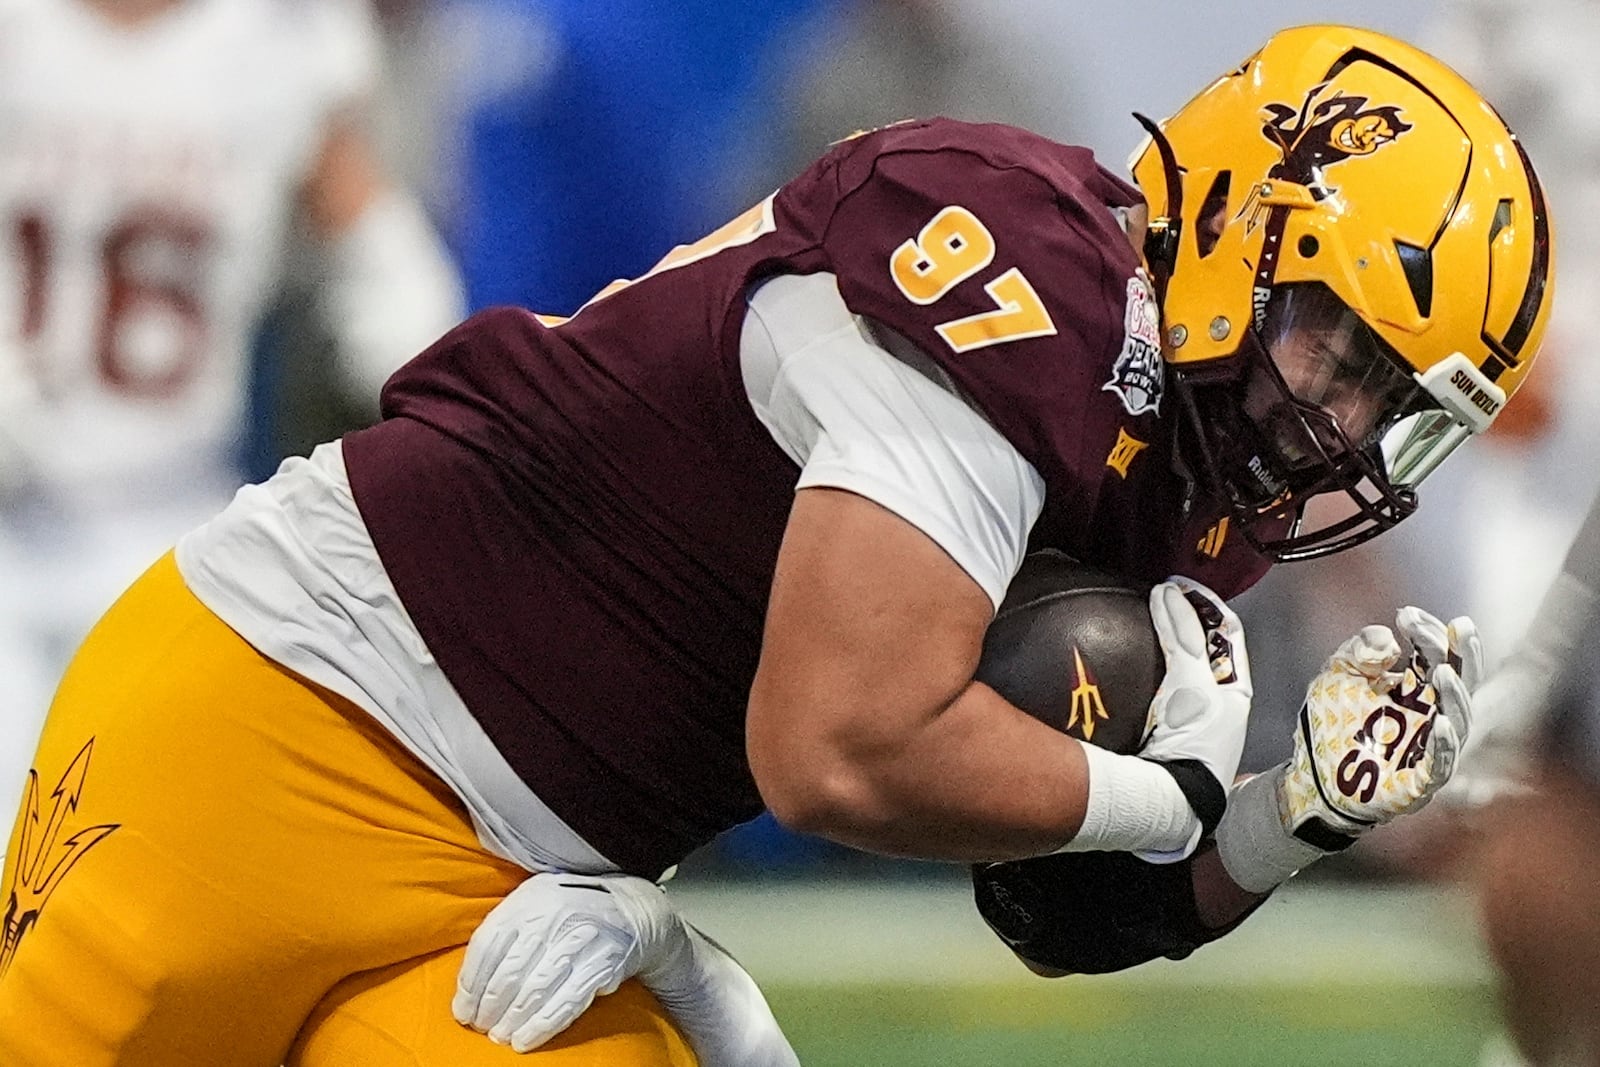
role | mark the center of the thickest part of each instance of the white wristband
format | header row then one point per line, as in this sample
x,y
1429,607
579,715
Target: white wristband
x,y
1134,806
1256,848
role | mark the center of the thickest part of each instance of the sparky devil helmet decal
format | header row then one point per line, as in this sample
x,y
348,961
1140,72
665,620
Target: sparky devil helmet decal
x,y
1327,129
1360,280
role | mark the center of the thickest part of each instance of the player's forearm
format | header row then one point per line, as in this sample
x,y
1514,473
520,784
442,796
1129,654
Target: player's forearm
x,y
1564,615
1135,910
1255,849
1218,899
980,780
1554,638
391,287
719,1007
391,290
1220,904
976,779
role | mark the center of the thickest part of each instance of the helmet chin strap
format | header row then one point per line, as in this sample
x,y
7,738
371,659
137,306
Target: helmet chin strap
x,y
1161,238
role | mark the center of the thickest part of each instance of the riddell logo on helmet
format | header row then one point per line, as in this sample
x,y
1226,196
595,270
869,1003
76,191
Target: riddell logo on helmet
x,y
1329,127
1260,296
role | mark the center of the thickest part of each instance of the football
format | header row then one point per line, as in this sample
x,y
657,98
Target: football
x,y
1074,647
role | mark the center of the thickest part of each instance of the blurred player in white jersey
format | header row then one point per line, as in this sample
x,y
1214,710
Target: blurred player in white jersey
x,y
154,157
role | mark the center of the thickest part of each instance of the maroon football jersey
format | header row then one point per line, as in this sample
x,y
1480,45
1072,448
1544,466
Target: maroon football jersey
x,y
582,516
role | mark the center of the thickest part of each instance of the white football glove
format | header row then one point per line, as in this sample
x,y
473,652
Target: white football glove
x,y
539,959
557,941
1202,708
1380,729
1377,736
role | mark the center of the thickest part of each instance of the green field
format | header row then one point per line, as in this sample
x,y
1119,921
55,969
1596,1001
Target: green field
x,y
890,976
887,1026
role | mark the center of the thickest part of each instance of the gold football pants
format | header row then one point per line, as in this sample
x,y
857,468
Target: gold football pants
x,y
215,857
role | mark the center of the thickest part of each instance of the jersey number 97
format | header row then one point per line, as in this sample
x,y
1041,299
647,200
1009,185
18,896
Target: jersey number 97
x,y
955,245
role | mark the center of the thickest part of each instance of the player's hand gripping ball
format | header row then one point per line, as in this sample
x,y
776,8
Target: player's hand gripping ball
x,y
1078,650
1163,674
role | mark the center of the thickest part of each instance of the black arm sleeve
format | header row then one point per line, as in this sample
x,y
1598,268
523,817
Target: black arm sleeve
x,y
1094,912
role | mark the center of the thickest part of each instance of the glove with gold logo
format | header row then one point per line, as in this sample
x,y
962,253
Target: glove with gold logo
x,y
1380,728
1376,738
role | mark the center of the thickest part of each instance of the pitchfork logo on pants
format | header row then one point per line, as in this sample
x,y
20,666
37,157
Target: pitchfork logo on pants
x,y
41,862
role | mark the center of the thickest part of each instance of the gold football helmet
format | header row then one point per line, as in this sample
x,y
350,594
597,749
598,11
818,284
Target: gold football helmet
x,y
1355,266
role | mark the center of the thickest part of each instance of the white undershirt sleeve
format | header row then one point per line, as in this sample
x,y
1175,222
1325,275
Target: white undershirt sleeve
x,y
856,417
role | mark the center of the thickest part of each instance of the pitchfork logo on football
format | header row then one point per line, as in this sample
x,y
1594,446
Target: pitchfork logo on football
x,y
41,862
1087,704
1137,375
1328,127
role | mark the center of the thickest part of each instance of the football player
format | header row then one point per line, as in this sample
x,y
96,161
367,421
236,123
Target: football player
x,y
598,588
1527,787
156,154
